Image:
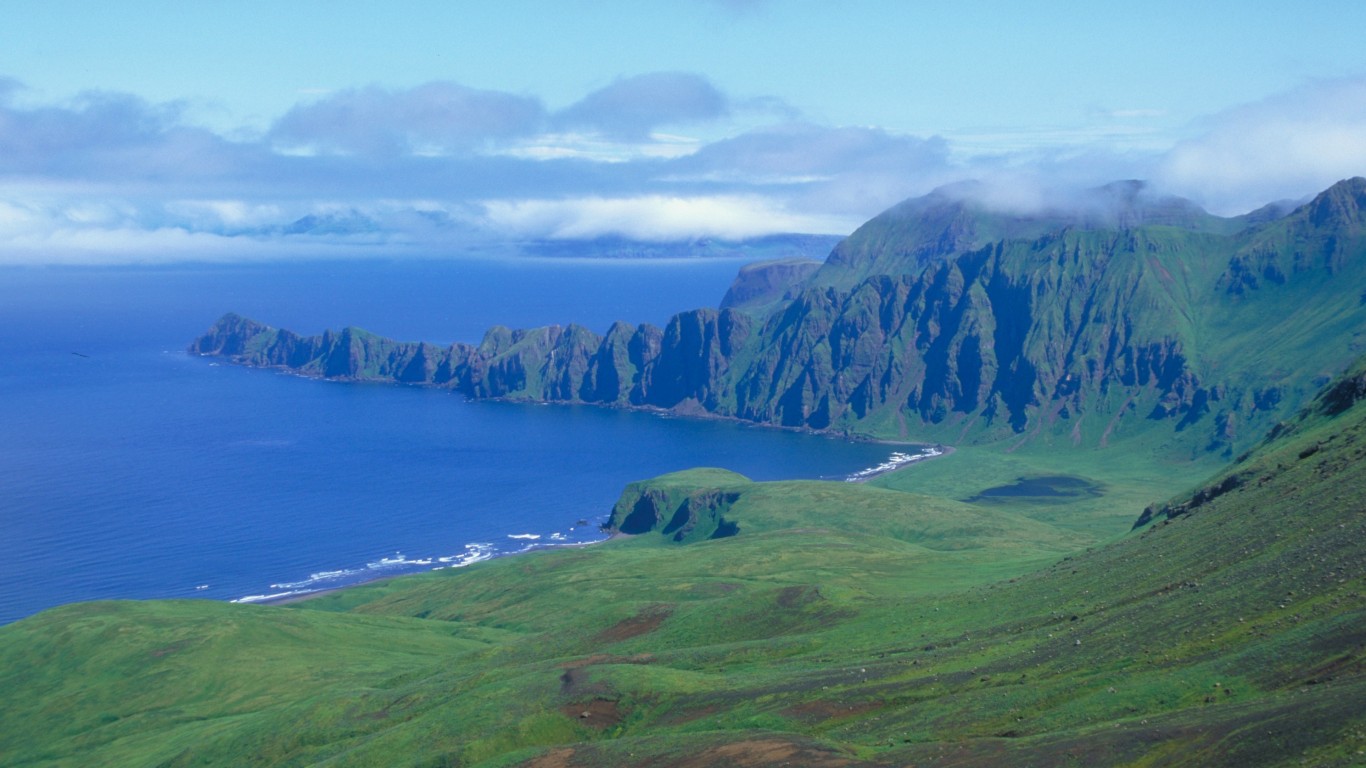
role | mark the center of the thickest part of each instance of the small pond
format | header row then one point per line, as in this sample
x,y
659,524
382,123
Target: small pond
x,y
1041,488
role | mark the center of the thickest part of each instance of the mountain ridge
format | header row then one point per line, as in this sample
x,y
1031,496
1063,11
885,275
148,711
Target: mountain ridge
x,y
958,218
832,624
1072,335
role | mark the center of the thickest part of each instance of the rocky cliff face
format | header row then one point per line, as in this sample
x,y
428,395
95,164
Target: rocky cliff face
x,y
676,511
1069,332
761,284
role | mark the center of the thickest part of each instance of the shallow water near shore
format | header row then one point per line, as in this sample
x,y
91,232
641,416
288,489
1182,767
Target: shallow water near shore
x,y
129,469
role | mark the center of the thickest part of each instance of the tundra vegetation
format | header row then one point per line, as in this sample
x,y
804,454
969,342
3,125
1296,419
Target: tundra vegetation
x,y
1146,548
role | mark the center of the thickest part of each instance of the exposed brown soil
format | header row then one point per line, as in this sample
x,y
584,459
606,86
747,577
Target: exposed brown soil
x,y
607,658
643,623
796,597
598,714
574,681
555,758
679,714
763,753
813,712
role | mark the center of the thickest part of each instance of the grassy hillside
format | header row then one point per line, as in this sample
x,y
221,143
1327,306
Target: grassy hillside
x,y
989,607
838,625
958,219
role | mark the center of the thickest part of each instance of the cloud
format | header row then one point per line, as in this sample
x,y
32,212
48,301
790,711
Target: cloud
x,y
440,117
653,217
113,140
8,87
842,171
443,164
112,231
596,148
630,108
1287,146
45,139
130,245
802,150
223,216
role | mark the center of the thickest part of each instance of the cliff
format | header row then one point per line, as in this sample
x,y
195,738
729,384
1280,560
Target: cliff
x,y
761,284
1155,319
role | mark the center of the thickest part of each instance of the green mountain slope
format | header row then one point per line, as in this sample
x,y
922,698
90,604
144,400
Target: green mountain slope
x,y
760,285
837,625
1138,320
958,219
968,611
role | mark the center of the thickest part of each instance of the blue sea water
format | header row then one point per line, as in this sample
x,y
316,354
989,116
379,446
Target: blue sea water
x,y
129,469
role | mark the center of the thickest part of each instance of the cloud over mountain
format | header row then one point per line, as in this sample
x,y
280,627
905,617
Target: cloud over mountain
x,y
1289,144
654,156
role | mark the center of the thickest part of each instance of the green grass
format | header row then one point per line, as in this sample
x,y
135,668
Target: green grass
x,y
146,682
889,623
1125,479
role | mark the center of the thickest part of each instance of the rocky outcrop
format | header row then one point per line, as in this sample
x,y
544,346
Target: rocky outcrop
x,y
680,508
759,285
1082,334
1256,468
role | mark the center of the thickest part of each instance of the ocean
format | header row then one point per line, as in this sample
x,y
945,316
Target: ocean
x,y
130,469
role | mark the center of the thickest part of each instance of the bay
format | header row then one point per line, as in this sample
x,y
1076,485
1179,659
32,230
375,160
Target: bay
x,y
129,469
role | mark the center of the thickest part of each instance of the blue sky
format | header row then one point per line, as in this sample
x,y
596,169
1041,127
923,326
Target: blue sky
x,y
160,130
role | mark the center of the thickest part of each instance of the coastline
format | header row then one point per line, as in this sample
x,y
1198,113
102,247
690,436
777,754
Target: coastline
x,y
900,460
299,597
687,409
927,453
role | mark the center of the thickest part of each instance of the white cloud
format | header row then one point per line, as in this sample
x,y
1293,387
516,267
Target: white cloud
x,y
16,219
216,214
136,245
434,118
598,149
655,217
632,107
447,164
1287,146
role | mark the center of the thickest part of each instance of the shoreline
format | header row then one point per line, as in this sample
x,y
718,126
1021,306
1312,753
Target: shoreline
x,y
929,452
687,409
901,461
299,597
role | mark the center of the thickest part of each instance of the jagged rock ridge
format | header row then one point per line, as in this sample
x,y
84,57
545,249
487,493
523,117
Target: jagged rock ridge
x,y
1073,330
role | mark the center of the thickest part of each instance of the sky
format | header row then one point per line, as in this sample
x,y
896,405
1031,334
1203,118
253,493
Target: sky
x,y
145,131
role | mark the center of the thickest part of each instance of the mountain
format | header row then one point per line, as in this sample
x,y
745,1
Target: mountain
x,y
835,624
761,284
963,217
1126,317
969,612
349,223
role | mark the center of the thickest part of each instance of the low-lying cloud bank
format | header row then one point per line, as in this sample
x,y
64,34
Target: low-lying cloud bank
x,y
663,156
1285,146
